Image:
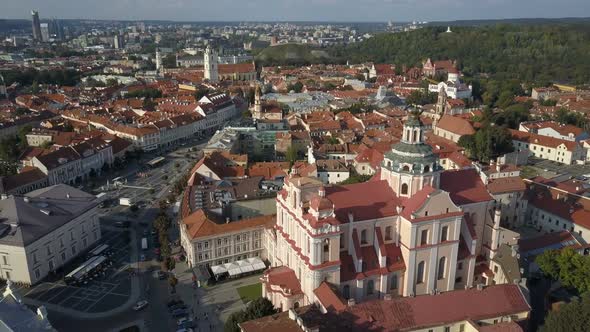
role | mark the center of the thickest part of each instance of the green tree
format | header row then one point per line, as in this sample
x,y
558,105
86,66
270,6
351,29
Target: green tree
x,y
421,97
173,281
258,308
162,223
569,267
296,87
570,317
291,154
467,142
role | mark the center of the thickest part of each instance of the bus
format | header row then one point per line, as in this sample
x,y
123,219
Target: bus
x,y
87,271
100,250
155,162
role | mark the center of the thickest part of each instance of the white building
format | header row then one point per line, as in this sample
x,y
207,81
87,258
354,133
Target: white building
x,y
453,87
43,230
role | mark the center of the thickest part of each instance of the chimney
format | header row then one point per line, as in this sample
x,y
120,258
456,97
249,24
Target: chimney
x,y
351,302
227,220
68,195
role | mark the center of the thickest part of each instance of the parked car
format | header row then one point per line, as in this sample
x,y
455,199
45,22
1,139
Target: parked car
x,y
172,303
140,305
161,275
122,224
179,306
183,320
179,313
189,324
185,330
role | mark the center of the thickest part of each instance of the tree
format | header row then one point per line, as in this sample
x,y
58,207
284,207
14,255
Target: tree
x,y
258,308
169,61
297,87
112,82
291,154
173,281
467,142
513,115
488,143
162,223
570,317
569,267
421,97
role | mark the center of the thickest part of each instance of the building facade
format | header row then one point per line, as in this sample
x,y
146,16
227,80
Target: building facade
x,y
43,230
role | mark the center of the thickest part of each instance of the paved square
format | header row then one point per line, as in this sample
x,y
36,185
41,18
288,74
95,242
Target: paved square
x,y
102,294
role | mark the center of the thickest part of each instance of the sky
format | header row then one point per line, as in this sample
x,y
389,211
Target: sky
x,y
295,10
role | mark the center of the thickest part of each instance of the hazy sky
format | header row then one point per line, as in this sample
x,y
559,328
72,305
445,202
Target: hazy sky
x,y
300,10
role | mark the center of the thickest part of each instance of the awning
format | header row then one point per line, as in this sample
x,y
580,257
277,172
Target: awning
x,y
218,269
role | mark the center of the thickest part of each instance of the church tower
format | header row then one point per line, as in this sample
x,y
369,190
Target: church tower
x,y
158,60
210,62
411,165
3,92
441,104
257,114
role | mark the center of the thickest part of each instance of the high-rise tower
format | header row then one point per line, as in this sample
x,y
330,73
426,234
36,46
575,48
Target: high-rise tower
x,y
36,25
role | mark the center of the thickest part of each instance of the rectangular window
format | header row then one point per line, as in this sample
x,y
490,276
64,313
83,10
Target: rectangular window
x,y
5,260
7,275
424,237
37,274
63,256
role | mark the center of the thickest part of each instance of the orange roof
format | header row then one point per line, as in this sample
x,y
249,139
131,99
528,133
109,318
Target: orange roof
x,y
199,224
456,125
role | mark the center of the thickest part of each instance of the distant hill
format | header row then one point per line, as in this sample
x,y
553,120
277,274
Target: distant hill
x,y
292,54
516,21
532,53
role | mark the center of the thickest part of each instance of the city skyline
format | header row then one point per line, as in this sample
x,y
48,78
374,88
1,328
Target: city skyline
x,y
289,10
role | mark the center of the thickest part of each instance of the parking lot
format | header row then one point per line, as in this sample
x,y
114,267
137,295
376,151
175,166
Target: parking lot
x,y
551,167
101,294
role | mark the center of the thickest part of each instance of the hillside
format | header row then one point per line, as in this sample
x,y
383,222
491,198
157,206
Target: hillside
x,y
533,53
292,54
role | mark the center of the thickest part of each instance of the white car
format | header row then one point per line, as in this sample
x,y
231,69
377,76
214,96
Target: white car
x,y
140,305
183,320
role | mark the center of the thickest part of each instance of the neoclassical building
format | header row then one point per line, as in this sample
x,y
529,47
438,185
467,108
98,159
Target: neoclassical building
x,y
413,229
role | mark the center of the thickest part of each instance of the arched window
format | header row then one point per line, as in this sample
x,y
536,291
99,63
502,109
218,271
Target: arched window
x,y
364,236
370,287
404,189
346,292
388,233
407,135
442,262
426,169
296,305
444,233
415,136
420,273
406,168
389,164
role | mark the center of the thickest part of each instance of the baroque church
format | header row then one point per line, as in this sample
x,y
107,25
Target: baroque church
x,y
412,229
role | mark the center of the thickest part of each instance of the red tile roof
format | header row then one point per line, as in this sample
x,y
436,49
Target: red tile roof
x,y
328,296
505,185
456,125
464,186
368,200
199,224
435,310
